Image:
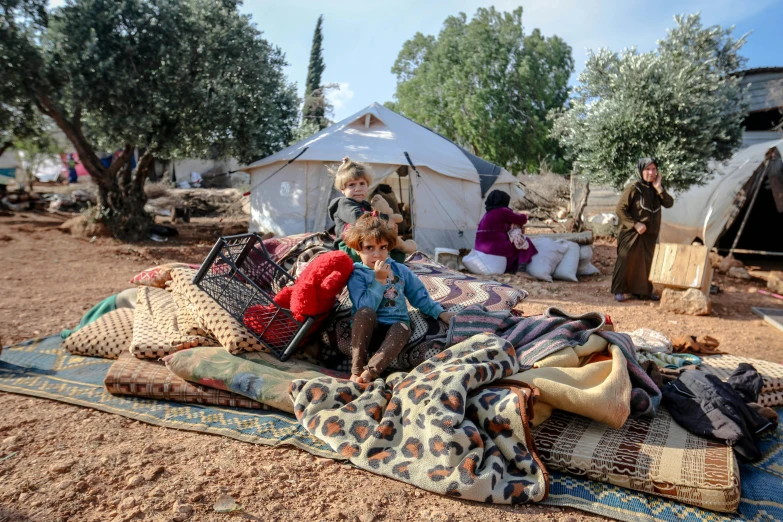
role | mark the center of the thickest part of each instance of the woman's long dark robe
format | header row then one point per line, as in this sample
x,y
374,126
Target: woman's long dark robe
x,y
640,203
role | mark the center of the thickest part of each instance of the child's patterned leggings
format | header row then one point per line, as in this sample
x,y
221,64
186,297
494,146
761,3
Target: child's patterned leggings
x,y
383,341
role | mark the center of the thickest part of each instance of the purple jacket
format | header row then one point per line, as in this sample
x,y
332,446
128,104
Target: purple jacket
x,y
492,235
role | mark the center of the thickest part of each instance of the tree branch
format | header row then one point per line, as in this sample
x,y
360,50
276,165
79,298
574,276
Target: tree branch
x,y
86,153
120,161
142,169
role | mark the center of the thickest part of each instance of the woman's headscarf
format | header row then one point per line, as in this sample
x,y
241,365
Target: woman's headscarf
x,y
643,164
497,199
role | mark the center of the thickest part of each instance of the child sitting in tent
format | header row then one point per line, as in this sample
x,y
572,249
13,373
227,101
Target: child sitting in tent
x,y
379,287
353,179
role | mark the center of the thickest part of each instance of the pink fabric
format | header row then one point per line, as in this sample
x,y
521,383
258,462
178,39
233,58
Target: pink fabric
x,y
492,237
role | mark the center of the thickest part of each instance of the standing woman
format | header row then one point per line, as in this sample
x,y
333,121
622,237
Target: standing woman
x,y
639,213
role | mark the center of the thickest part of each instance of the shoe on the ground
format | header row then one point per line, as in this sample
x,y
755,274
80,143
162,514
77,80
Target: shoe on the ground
x,y
620,298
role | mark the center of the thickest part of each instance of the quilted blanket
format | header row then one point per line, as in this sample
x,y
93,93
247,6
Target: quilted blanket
x,y
537,337
451,426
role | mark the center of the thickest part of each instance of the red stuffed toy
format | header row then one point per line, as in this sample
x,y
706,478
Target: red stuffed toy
x,y
313,294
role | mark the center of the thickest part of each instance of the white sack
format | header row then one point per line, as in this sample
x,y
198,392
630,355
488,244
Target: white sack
x,y
484,264
586,267
549,255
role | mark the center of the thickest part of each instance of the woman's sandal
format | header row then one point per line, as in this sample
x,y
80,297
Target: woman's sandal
x,y
620,298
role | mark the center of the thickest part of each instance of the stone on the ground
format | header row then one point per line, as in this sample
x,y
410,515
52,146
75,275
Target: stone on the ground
x,y
61,467
775,282
728,263
739,272
688,302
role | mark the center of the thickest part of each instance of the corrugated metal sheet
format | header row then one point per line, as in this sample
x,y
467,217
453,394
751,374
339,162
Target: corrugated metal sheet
x,y
765,88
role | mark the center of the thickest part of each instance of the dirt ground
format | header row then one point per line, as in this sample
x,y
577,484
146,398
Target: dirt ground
x,y
62,462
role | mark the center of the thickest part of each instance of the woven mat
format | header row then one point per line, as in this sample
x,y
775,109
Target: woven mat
x,y
41,368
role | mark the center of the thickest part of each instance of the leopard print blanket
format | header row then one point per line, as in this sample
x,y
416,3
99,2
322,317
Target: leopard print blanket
x,y
451,426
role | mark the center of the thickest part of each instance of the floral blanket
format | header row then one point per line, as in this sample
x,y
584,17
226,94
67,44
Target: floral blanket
x,y
451,426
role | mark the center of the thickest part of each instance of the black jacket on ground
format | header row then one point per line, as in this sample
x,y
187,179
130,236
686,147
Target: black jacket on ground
x,y
704,405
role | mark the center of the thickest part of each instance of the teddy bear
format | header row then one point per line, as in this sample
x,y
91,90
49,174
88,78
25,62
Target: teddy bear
x,y
381,205
312,295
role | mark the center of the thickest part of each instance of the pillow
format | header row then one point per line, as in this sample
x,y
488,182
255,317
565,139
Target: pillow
x,y
151,380
484,264
107,337
566,269
586,267
213,318
258,376
158,276
155,330
549,255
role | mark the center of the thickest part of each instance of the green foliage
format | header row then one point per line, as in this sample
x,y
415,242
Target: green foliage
x,y
488,86
181,78
19,120
682,103
173,78
313,109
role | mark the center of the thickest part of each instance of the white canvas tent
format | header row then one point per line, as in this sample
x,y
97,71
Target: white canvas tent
x,y
445,192
707,212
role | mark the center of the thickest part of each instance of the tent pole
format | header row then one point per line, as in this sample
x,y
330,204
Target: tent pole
x,y
754,252
750,208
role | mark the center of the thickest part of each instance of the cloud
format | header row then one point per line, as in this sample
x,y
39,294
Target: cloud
x,y
340,96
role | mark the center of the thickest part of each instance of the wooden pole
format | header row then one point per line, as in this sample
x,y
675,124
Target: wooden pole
x,y
581,238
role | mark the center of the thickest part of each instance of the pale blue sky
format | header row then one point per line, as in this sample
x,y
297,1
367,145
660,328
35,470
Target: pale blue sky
x,y
362,38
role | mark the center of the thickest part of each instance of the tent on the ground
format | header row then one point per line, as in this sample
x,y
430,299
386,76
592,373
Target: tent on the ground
x,y
443,185
742,203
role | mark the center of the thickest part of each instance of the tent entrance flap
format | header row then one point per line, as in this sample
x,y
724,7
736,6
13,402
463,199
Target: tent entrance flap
x,y
755,230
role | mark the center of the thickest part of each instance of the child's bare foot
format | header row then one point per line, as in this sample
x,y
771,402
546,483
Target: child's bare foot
x,y
357,379
368,376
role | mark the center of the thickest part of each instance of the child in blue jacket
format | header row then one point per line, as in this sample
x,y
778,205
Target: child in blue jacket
x,y
379,287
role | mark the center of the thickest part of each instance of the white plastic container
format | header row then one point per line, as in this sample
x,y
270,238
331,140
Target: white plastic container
x,y
448,257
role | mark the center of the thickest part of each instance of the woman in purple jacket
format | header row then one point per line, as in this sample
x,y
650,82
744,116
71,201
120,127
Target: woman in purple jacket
x,y
492,234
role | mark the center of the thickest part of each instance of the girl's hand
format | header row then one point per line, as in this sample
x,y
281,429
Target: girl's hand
x,y
446,316
641,228
658,183
382,271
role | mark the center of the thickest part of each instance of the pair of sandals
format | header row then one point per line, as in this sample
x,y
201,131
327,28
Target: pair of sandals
x,y
621,298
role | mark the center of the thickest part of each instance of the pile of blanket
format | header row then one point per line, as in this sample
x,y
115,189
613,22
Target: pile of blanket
x,y
460,416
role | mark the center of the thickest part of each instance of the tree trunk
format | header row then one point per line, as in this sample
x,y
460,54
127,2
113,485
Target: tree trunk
x,y
121,197
124,195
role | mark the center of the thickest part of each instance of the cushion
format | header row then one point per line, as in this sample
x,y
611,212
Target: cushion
x,y
549,255
655,456
567,268
259,376
156,331
586,267
230,333
158,276
151,379
108,336
722,366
